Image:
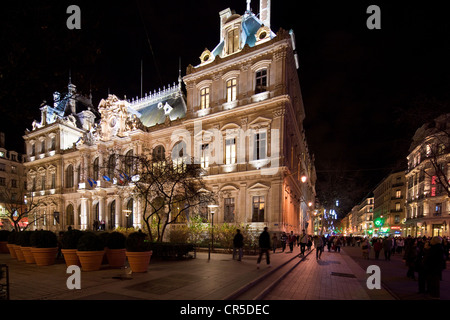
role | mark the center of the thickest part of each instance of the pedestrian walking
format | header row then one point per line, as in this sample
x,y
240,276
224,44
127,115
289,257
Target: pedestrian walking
x,y
274,242
410,258
292,238
377,246
318,244
303,241
264,247
309,244
433,265
365,248
238,245
283,240
329,243
387,247
337,244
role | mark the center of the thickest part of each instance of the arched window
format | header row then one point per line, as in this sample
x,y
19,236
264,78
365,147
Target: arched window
x,y
129,161
70,216
179,155
69,176
159,153
96,169
129,214
112,215
111,166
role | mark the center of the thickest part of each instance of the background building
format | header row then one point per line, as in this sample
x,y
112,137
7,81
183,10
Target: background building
x,y
389,205
427,180
12,183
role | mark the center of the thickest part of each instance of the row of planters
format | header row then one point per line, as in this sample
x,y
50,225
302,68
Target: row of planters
x,y
83,248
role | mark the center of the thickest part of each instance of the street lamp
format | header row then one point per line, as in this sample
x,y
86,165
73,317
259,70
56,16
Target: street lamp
x,y
212,209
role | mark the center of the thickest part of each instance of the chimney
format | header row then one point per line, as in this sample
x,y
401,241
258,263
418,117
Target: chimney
x,y
264,12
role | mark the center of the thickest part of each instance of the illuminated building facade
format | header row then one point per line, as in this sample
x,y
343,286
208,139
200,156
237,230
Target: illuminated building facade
x,y
427,180
389,205
241,118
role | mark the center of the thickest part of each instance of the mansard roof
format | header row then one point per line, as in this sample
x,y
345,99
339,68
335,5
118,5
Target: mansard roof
x,y
155,107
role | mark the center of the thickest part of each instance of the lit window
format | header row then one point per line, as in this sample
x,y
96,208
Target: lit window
x,y
205,156
204,98
261,81
260,146
230,151
258,209
231,90
69,176
233,41
398,194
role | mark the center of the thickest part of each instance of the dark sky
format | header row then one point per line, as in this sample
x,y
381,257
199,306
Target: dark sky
x,y
362,89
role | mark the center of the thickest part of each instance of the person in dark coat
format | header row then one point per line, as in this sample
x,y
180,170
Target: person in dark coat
x,y
433,263
238,244
264,247
387,247
410,257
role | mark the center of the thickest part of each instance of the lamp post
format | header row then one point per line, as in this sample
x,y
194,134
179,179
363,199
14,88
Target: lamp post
x,y
212,209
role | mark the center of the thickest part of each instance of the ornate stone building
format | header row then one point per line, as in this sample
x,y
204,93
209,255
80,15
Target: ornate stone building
x,y
427,180
241,119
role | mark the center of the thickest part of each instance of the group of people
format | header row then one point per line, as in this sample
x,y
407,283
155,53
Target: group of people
x,y
425,256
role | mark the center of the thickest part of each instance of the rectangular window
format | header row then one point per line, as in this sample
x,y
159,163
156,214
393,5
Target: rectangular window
x,y
438,209
397,219
259,146
205,156
397,206
231,90
261,81
2,182
258,209
398,194
43,147
2,167
204,98
43,183
53,186
228,210
13,183
230,151
53,144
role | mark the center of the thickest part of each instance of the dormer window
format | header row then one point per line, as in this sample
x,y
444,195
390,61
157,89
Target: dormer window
x,y
232,41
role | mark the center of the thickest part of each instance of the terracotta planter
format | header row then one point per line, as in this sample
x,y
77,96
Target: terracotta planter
x,y
19,253
71,257
28,255
91,260
44,256
116,257
4,247
12,250
139,261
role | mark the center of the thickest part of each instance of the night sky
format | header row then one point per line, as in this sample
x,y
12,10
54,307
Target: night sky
x,y
365,91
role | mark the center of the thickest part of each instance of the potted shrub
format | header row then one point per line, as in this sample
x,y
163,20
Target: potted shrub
x,y
25,245
90,251
44,247
138,251
69,244
115,249
12,244
4,234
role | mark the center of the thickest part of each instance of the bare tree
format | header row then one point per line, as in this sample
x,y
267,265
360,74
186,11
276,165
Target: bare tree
x,y
20,205
169,190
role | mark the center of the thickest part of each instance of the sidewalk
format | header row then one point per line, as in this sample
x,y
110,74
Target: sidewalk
x,y
335,277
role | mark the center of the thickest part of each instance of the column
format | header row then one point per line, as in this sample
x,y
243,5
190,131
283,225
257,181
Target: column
x,y
84,213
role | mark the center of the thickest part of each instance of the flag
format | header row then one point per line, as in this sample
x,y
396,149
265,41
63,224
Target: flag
x,y
106,178
90,182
